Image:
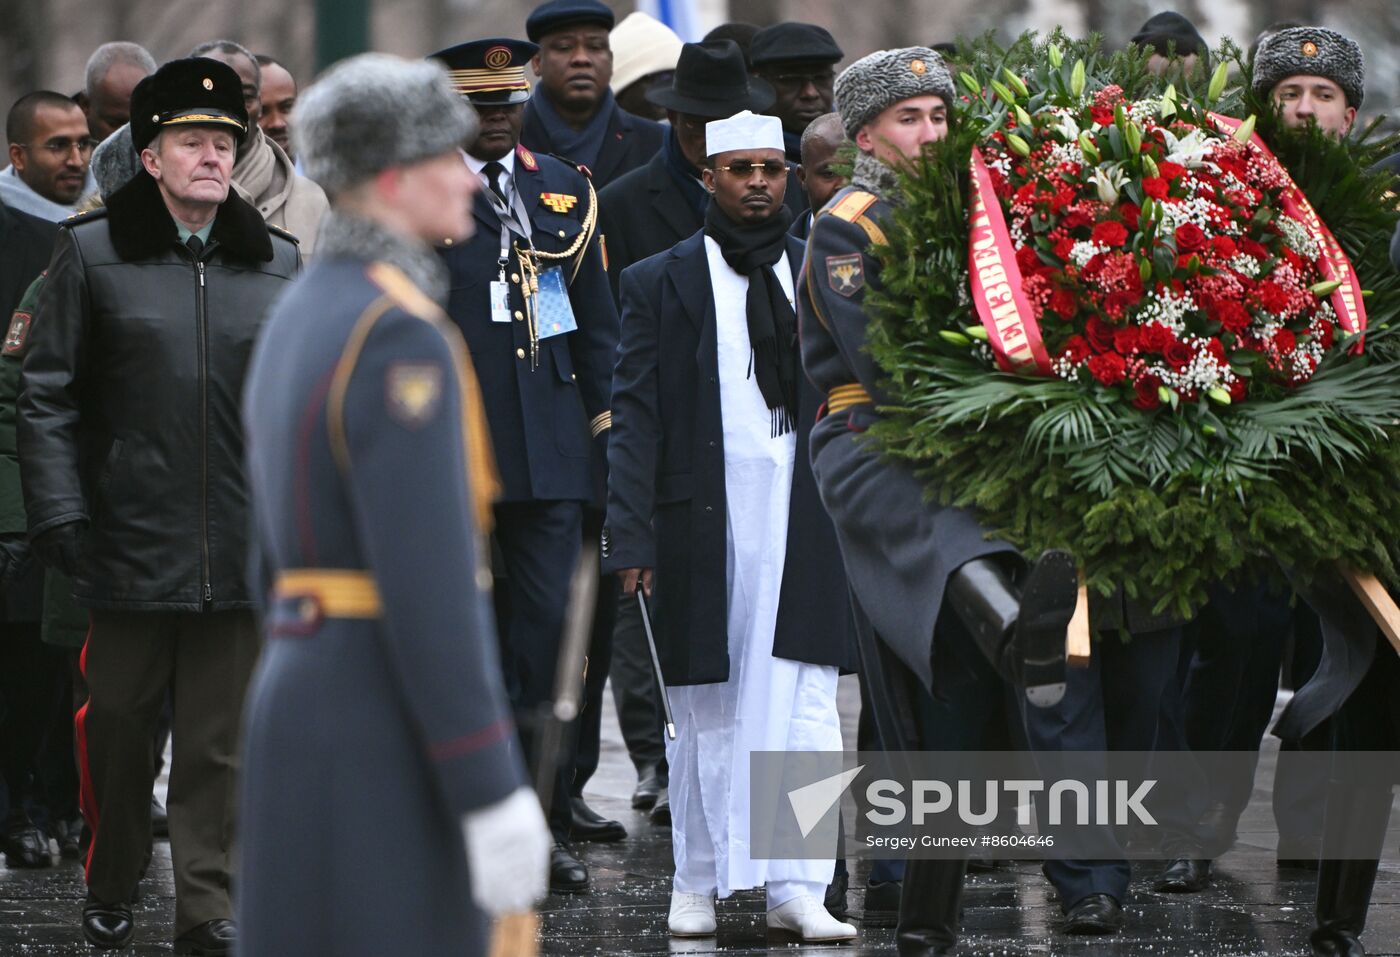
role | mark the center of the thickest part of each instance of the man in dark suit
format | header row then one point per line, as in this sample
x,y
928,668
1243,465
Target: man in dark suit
x,y
652,208
799,61
573,113
530,295
711,489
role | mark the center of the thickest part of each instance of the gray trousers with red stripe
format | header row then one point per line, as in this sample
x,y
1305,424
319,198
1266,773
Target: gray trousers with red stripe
x,y
129,662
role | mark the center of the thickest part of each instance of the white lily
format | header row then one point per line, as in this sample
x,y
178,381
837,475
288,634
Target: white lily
x,y
1108,182
1067,128
1189,150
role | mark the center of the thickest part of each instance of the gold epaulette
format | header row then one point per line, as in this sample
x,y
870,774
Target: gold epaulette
x,y
284,233
852,207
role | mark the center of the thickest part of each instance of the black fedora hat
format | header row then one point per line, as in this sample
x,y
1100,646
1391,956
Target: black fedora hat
x,y
712,81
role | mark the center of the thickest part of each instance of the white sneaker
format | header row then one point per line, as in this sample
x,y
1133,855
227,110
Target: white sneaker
x,y
692,915
805,916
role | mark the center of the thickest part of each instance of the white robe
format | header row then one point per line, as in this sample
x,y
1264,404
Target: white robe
x,y
768,703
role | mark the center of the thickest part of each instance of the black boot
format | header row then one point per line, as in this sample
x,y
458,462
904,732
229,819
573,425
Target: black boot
x,y
1020,626
929,906
1356,818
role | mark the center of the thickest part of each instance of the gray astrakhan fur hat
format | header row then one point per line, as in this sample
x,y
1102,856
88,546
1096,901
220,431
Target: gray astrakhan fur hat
x,y
374,111
878,80
115,162
1311,51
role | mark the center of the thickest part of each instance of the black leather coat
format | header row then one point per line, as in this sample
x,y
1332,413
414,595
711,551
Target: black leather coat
x,y
129,417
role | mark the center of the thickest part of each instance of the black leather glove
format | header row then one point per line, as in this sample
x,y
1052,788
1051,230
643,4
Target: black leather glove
x,y
58,547
15,557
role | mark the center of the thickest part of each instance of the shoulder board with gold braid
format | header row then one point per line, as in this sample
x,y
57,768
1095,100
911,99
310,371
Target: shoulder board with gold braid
x,y
285,234
84,216
852,207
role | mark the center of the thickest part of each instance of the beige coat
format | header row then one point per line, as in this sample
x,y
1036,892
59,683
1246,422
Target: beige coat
x,y
266,179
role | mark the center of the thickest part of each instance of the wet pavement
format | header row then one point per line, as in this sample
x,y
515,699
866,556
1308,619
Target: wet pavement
x,y
1251,908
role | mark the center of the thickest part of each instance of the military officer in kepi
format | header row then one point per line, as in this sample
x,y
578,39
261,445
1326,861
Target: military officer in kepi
x,y
530,294
944,611
380,742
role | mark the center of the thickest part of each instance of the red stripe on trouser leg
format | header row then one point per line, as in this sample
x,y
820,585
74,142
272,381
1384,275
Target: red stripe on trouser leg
x,y
87,798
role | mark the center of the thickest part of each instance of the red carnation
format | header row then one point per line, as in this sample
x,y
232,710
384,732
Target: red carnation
x,y
1156,337
1216,350
1027,260
1190,238
1251,248
1170,170
1237,390
1233,317
1224,247
1099,334
1076,350
1109,368
1062,303
1127,340
1130,213
1155,186
1063,248
1101,115
1273,297
1110,234
1178,355
1119,301
1145,393
1285,341
1325,335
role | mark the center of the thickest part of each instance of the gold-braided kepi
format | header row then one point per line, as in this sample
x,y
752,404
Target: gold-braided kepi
x,y
489,72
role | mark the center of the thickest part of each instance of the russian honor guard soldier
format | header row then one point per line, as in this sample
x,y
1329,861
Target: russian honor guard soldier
x,y
530,294
942,609
380,744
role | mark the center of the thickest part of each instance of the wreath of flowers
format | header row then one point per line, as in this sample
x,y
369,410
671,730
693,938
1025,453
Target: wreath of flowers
x,y
1202,412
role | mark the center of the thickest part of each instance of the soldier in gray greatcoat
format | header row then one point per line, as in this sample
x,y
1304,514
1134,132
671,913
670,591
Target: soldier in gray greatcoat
x,y
384,801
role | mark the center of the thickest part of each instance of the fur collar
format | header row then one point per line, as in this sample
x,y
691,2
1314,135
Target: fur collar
x,y
874,176
357,237
141,226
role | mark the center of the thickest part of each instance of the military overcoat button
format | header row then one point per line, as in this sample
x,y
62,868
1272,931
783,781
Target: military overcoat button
x,y
520,353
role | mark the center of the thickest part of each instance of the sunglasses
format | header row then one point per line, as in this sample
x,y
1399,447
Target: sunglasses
x,y
771,169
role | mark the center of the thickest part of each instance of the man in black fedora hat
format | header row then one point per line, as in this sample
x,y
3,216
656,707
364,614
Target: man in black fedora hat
x,y
654,207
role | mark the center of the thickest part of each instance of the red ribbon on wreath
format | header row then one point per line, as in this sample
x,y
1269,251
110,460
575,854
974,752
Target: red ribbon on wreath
x,y
1346,299
1002,306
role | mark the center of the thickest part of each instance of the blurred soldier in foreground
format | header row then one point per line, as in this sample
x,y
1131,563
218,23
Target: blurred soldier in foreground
x,y
380,746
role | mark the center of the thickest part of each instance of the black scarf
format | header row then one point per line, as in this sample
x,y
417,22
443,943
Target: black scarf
x,y
685,176
752,251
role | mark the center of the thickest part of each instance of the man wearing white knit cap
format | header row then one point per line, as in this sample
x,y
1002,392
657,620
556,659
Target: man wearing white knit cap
x,y
710,494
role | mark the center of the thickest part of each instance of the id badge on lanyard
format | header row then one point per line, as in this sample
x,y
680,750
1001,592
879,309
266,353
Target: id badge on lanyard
x,y
500,289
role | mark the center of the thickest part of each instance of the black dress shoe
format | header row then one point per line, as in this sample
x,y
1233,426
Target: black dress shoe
x,y
835,901
1184,875
213,938
1095,914
69,835
661,810
160,822
107,926
1336,943
25,845
650,784
567,874
881,904
588,825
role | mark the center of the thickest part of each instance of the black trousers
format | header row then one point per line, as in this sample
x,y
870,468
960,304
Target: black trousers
x,y
600,653
30,684
539,543
130,662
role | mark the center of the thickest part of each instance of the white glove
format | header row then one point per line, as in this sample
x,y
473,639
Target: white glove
x,y
508,846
